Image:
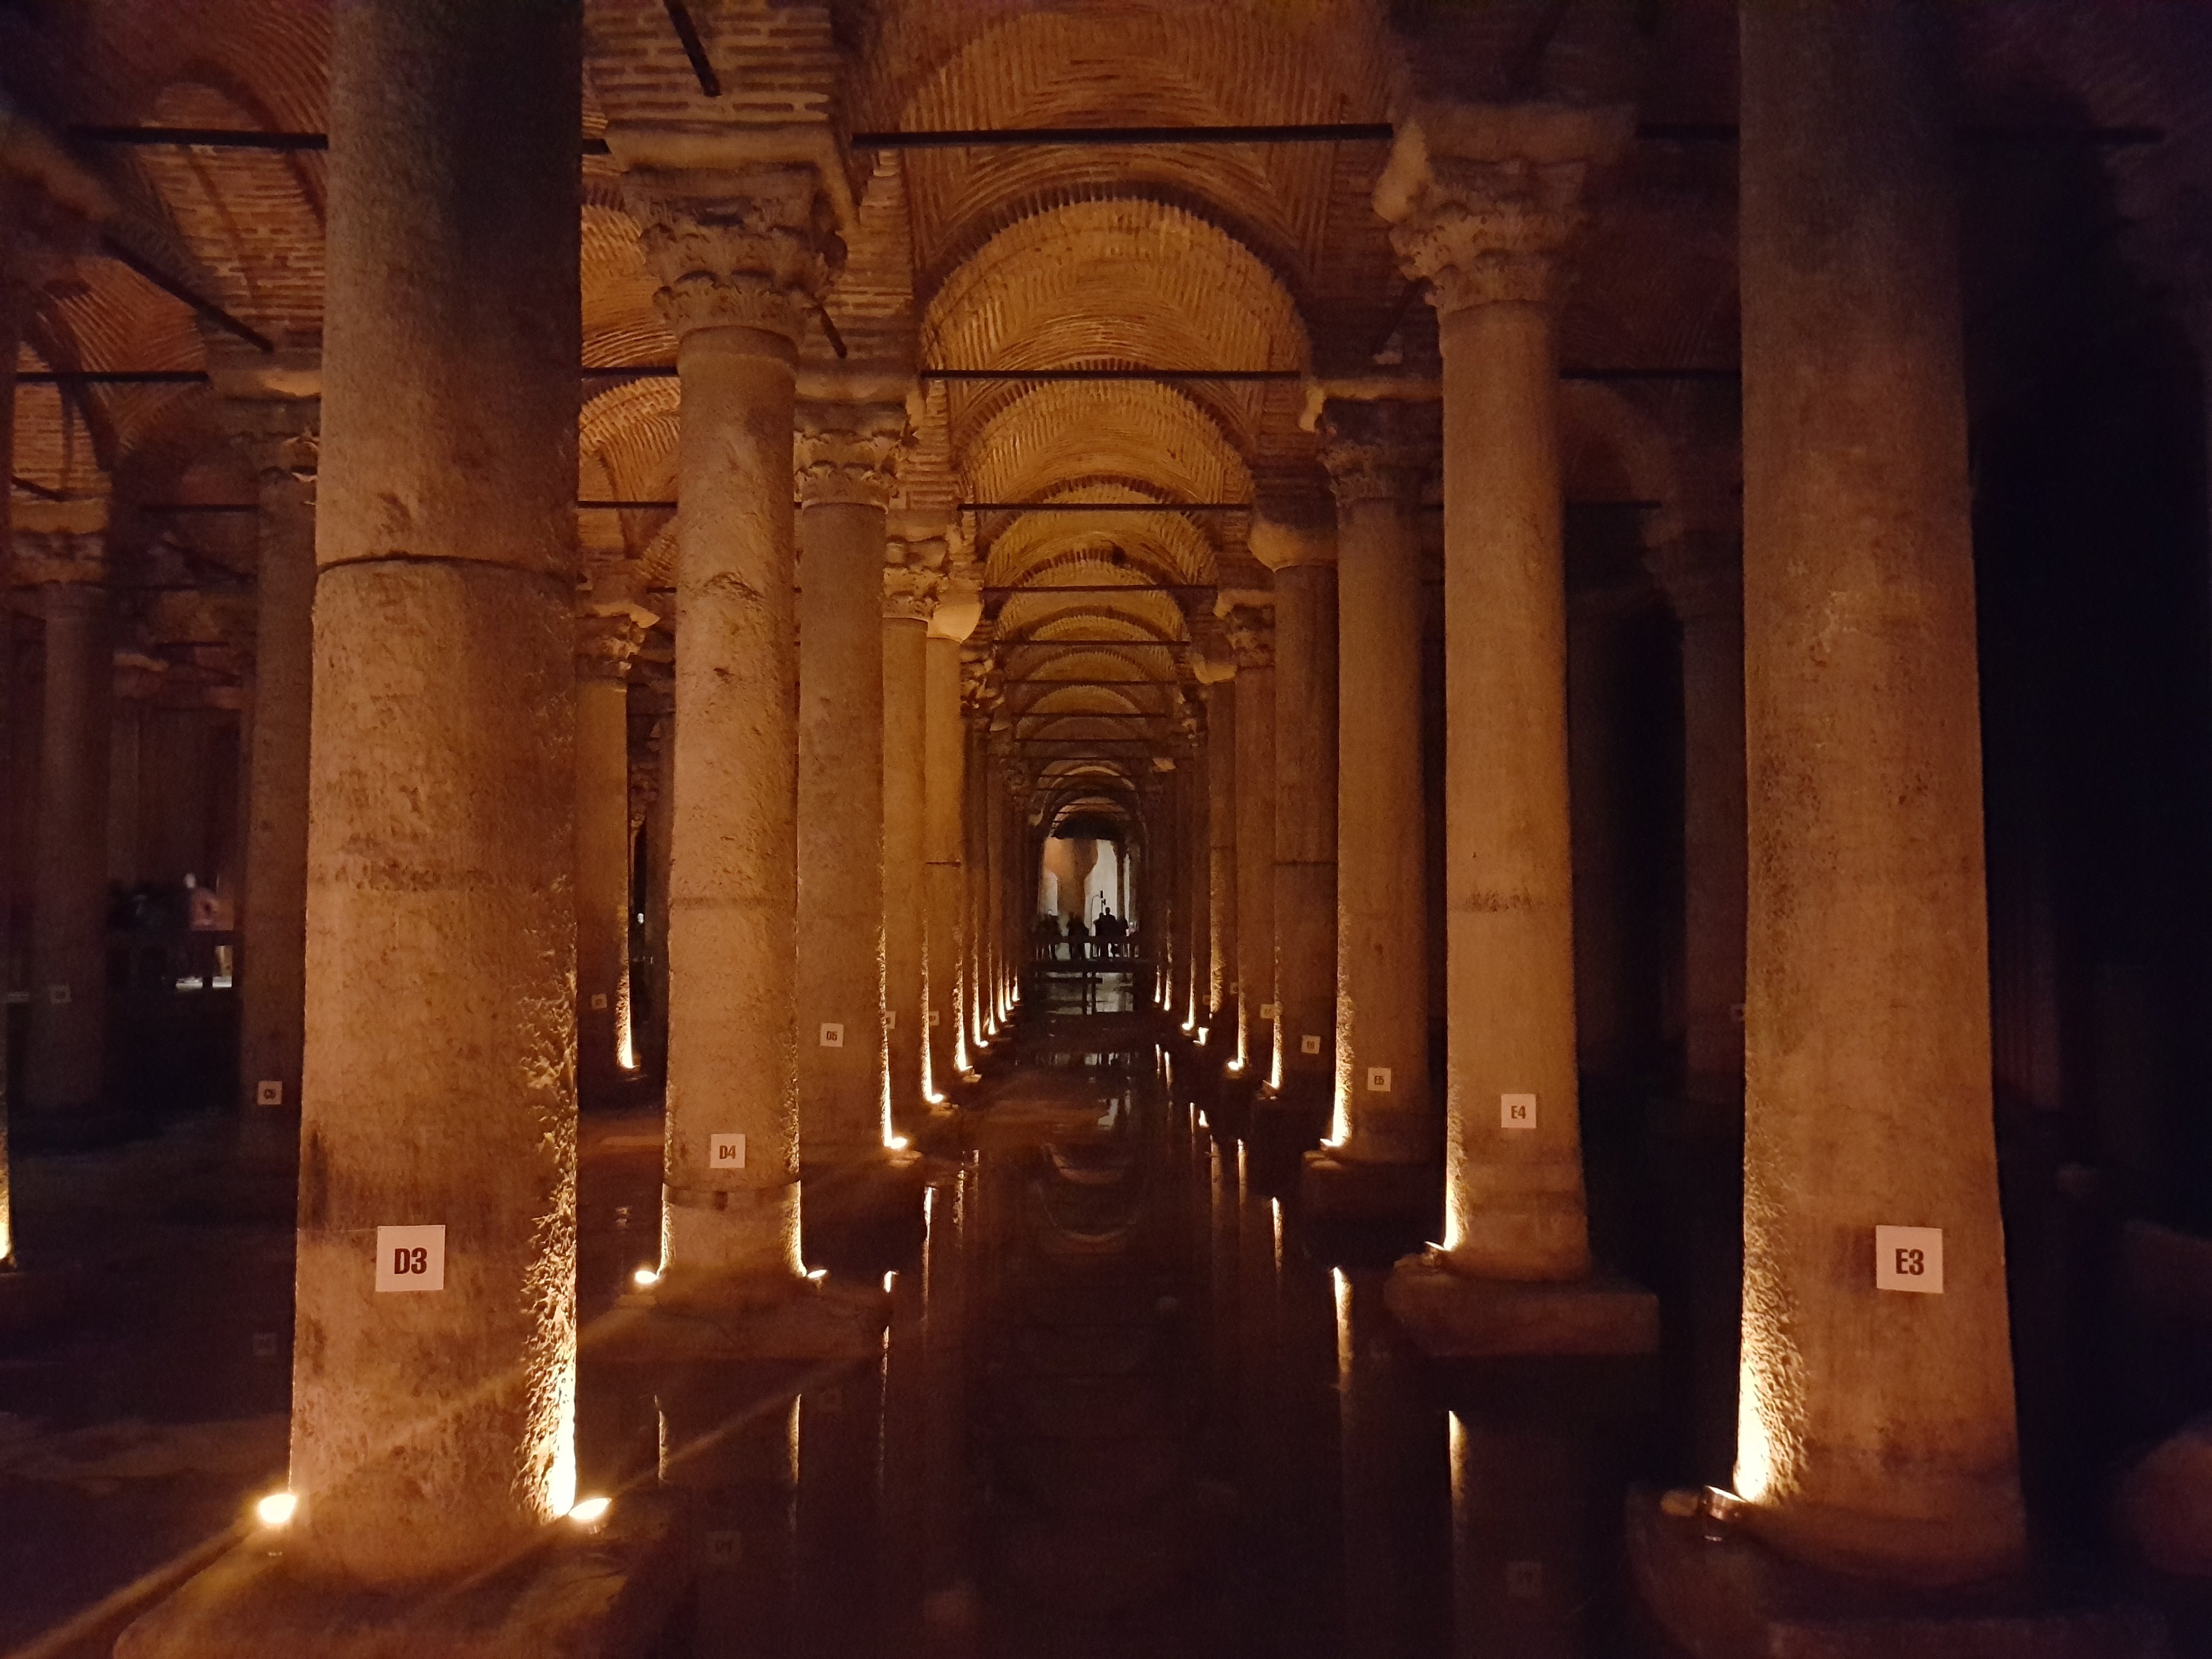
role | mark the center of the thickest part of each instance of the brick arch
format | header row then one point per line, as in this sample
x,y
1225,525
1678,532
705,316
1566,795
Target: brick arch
x,y
1063,432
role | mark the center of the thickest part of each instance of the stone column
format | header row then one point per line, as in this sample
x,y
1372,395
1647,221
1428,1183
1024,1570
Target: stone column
x,y
1304,558
944,781
1702,574
1876,1428
845,453
741,254
14,305
431,1433
1195,774
976,857
660,839
1481,200
605,644
910,590
1251,639
1220,1000
273,407
1377,455
59,549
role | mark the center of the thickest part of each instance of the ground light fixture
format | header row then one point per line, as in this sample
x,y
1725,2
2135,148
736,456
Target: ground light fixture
x,y
590,1511
276,1509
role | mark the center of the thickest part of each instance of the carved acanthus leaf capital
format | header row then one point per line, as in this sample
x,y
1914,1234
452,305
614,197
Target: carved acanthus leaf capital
x,y
606,642
280,439
1251,636
847,452
910,591
749,247
1379,451
1480,199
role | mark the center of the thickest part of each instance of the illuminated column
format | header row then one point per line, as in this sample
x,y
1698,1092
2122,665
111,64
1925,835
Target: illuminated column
x,y
1876,1427
272,405
1702,575
741,255
59,549
14,303
431,1432
1015,884
1302,556
911,584
845,456
604,646
1251,641
943,782
1377,455
1481,200
1193,780
1220,999
975,808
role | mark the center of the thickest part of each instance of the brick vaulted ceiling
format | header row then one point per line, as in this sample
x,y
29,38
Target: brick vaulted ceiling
x,y
1160,256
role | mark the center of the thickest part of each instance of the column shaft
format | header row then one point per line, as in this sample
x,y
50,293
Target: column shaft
x,y
1306,830
64,1054
1876,1428
1197,940
943,781
906,737
1220,999
1255,869
431,1433
603,868
841,830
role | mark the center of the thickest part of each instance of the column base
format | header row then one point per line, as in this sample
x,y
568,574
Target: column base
x,y
1454,1315
1721,1593
1334,1189
820,1319
607,1593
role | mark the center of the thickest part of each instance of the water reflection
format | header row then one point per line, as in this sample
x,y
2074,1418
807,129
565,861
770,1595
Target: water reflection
x,y
1127,1404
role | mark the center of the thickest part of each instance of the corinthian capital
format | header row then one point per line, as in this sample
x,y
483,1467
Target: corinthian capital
x,y
606,642
1251,633
1481,197
753,246
847,452
910,591
1378,450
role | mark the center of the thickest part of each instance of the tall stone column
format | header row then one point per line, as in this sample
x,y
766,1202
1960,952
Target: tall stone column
x,y
431,1433
59,549
741,253
1702,575
1480,200
14,305
1876,1428
976,857
1377,455
1251,641
943,782
911,584
606,642
273,406
1302,556
1194,776
845,455
1220,1000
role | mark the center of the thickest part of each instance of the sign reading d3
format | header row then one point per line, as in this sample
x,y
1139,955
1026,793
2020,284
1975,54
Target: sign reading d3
x,y
411,1258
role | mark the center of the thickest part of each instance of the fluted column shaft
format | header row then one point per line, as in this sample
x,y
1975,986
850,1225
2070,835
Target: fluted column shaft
x,y
1876,1428
1306,830
1376,453
431,1432
844,456
1481,200
739,255
910,590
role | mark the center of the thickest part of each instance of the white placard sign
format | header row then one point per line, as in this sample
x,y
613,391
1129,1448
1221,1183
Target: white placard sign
x,y
598,1001
833,1035
726,1151
411,1258
937,1017
1271,1011
1516,1111
58,995
1309,1045
1378,1080
269,1091
1909,1259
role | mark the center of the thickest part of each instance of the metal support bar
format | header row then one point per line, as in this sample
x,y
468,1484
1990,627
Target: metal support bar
x,y
687,32
1105,507
1170,375
623,505
111,377
176,290
1145,587
1334,132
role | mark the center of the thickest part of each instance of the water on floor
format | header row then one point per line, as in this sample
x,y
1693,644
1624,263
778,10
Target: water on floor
x,y
1128,1405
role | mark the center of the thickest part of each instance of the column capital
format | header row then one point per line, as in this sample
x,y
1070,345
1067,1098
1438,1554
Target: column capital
x,y
754,246
910,592
60,543
1251,636
847,452
1379,449
606,642
1481,197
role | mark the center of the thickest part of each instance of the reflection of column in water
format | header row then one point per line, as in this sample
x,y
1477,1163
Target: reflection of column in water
x,y
1222,1329
1521,1515
948,1609
837,1608
729,1442
1386,1444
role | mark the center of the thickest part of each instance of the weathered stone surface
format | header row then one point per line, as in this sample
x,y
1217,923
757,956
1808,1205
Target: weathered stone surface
x,y
1450,1314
